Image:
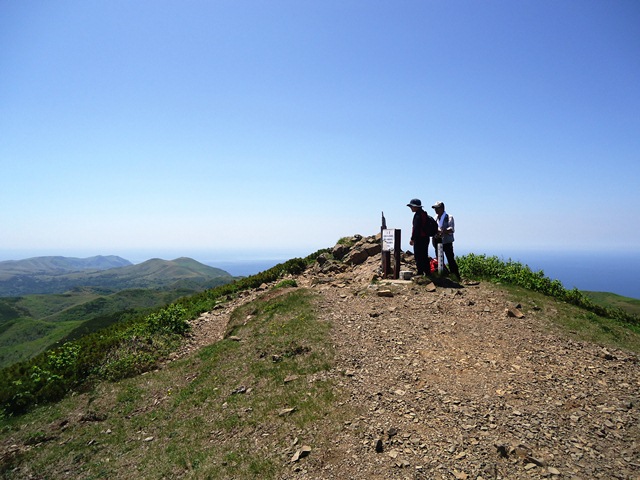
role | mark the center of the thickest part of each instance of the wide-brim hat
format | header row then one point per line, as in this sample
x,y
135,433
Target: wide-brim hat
x,y
415,202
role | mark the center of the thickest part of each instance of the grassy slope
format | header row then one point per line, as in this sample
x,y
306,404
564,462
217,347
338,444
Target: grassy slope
x,y
606,299
578,323
53,318
28,337
194,417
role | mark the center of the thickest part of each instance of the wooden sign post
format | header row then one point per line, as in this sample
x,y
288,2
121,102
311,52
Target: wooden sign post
x,y
390,246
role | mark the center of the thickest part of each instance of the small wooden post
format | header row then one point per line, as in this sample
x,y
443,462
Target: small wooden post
x,y
396,254
386,254
391,246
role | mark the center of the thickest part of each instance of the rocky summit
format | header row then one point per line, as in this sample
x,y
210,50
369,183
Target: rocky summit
x,y
456,381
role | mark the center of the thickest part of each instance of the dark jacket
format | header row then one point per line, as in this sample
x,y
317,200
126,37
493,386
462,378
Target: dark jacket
x,y
418,229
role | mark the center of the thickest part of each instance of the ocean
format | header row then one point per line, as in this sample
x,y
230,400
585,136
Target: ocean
x,y
591,271
244,268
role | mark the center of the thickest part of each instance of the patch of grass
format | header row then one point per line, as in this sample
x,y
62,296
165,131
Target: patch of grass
x,y
515,273
606,299
233,410
576,322
288,283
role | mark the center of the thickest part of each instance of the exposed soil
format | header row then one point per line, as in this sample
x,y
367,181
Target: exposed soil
x,y
448,386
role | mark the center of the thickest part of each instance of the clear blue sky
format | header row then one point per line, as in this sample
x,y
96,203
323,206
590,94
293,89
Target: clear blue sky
x,y
273,128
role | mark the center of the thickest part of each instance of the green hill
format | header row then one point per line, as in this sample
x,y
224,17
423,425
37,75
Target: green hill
x,y
49,275
58,265
86,301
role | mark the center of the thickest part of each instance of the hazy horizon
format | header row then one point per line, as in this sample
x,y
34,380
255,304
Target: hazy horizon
x,y
597,270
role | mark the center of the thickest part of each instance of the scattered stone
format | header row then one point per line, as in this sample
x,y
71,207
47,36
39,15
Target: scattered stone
x,y
503,451
378,445
406,275
93,417
385,293
286,411
339,251
604,353
356,257
304,451
513,312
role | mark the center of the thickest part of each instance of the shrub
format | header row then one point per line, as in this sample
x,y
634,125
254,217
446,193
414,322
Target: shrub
x,y
286,283
172,319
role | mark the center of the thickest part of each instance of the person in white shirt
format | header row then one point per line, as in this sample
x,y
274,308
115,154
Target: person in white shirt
x,y
446,227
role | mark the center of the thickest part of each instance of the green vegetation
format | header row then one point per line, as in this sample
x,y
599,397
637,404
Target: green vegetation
x,y
237,409
606,299
46,277
515,273
31,324
133,342
346,241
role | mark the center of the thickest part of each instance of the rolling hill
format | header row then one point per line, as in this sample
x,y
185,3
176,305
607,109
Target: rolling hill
x,y
44,300
50,275
58,265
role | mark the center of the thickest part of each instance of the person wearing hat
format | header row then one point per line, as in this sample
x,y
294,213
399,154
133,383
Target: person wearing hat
x,y
446,227
419,237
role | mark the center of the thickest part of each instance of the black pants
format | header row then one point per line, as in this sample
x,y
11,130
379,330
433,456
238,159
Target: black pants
x,y
421,251
447,248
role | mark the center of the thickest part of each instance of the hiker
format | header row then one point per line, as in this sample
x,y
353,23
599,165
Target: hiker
x,y
419,237
446,227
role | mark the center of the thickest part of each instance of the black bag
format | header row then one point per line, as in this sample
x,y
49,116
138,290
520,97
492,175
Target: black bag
x,y
429,225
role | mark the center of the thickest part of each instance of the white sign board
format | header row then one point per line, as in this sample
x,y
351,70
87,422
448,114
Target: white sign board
x,y
388,239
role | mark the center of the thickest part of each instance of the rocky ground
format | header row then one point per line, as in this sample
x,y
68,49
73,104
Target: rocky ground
x,y
447,385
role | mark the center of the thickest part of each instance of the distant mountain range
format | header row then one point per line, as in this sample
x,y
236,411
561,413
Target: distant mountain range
x,y
47,275
47,300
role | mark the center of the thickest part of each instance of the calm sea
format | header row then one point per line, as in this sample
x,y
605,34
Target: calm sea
x,y
244,268
591,271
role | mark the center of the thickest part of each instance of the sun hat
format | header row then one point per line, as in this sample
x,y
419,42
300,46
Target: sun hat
x,y
415,202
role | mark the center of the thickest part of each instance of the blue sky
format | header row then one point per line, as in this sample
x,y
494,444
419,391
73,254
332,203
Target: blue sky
x,y
258,129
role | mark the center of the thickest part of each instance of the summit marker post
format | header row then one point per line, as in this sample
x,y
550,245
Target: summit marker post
x,y
390,243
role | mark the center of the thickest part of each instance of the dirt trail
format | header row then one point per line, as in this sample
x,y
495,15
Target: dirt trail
x,y
448,386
